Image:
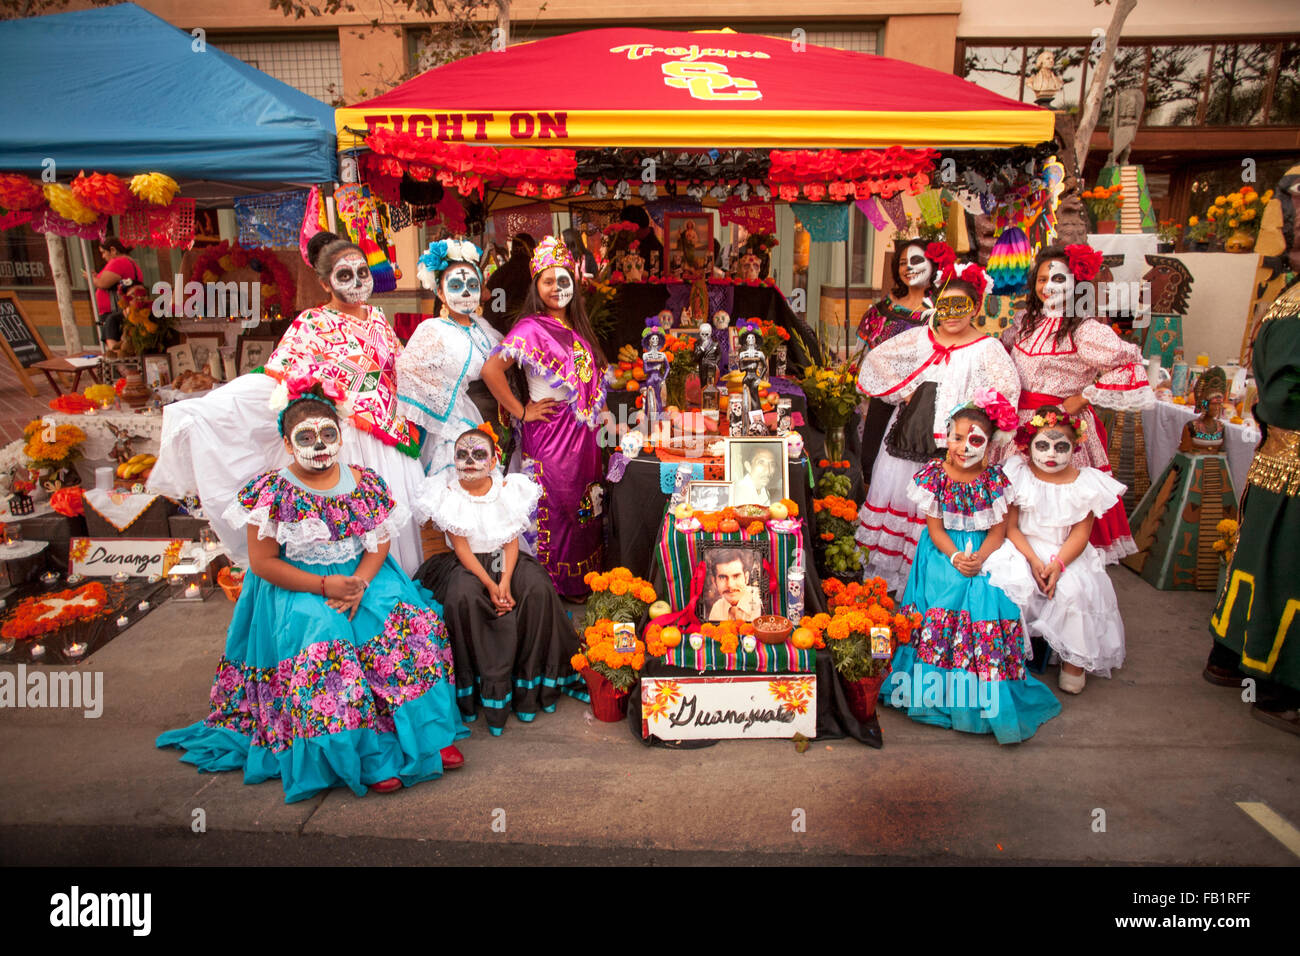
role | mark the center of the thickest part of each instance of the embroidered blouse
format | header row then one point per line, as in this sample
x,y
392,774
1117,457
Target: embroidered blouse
x,y
1093,361
885,319
316,527
893,371
964,505
358,356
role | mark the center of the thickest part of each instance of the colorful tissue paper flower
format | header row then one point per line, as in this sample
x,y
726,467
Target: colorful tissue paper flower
x,y
19,192
103,192
157,188
65,203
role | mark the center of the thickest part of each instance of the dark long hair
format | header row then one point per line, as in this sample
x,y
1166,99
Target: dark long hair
x,y
1034,305
894,260
575,312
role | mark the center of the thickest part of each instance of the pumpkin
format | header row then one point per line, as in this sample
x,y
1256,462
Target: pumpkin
x,y
802,638
728,525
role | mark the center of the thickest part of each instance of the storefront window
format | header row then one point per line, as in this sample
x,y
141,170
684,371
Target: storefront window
x,y
24,258
1175,84
1286,93
1126,72
1239,83
996,68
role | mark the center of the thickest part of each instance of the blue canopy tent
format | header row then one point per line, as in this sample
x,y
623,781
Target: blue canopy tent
x,y
120,90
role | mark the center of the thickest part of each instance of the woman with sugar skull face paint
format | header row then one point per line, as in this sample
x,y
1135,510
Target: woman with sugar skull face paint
x,y
913,268
1047,564
325,611
970,636
565,369
1070,360
439,384
213,445
512,637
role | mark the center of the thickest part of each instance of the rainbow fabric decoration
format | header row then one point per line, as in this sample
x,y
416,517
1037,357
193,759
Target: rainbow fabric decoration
x,y
1009,261
381,270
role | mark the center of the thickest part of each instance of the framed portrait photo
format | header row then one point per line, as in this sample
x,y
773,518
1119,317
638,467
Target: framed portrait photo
x,y
157,371
688,245
708,495
757,470
736,585
181,358
206,350
253,351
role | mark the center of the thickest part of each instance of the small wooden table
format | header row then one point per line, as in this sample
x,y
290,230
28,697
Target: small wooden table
x,y
49,366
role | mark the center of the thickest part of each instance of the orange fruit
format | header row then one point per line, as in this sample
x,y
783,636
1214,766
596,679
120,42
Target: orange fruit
x,y
670,636
802,638
632,386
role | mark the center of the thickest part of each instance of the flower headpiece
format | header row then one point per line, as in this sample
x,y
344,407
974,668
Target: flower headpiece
x,y
1084,261
303,382
941,254
993,404
487,429
441,254
748,325
653,327
967,272
1059,419
551,252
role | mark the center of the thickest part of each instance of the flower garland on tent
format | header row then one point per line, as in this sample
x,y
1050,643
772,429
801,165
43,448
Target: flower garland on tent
x,y
468,168
82,208
278,288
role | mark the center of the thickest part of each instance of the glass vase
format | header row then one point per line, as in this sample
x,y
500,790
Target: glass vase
x,y
835,442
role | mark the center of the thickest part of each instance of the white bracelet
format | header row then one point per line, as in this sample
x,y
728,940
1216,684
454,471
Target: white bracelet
x,y
952,558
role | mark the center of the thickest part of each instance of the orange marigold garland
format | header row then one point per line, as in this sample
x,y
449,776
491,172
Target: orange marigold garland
x,y
37,615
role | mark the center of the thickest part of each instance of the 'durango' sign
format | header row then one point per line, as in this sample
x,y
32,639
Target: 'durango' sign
x,y
695,708
138,557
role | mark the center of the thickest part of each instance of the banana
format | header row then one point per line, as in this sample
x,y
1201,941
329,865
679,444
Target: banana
x,y
136,458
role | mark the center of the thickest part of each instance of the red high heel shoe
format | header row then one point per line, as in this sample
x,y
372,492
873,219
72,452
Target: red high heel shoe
x,y
452,759
387,786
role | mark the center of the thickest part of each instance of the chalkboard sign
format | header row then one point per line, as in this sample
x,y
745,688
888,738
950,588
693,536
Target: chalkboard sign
x,y
19,335
21,343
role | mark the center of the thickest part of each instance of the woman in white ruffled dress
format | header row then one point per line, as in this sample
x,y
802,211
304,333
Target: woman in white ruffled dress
x,y
438,373
1047,564
213,446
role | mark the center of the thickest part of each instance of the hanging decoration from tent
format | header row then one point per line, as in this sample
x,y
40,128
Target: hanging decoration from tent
x,y
271,219
824,223
531,172
159,227
366,223
751,216
534,219
313,221
277,290
992,170
19,193
65,203
843,175
1009,261
157,188
105,193
46,219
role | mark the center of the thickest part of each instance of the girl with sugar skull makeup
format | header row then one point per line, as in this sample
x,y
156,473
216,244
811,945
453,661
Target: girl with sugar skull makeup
x,y
1070,360
212,446
565,369
1047,564
326,611
970,636
511,635
439,384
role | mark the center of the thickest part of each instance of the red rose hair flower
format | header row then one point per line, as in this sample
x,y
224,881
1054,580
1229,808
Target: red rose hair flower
x,y
941,254
1084,261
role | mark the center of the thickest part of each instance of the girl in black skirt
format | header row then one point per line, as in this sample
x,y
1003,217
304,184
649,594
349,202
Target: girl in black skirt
x,y
510,634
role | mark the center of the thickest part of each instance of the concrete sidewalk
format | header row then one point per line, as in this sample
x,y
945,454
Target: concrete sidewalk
x,y
1165,755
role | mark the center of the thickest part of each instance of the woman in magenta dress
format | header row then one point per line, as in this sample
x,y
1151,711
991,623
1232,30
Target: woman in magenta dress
x,y
1068,359
553,343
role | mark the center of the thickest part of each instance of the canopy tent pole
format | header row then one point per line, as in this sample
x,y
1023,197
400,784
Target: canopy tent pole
x,y
848,238
86,260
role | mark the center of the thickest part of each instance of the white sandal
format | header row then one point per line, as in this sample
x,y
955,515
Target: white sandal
x,y
1072,683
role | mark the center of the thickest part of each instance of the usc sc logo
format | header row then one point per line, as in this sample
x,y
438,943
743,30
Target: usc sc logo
x,y
707,81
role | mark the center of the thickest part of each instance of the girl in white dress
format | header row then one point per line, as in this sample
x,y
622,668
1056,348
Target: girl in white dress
x,y
1047,565
438,373
927,372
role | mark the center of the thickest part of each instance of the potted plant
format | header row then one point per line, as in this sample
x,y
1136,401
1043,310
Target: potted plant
x,y
855,610
1167,233
832,395
1104,204
611,666
1199,232
52,452
1236,217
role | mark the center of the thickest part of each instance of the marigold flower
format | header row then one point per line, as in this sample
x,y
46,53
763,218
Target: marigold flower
x,y
578,662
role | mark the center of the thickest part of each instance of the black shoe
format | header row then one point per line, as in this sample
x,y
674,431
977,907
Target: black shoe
x,y
1222,676
1288,720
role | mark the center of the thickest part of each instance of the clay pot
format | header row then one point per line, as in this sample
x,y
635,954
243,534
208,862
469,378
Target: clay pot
x,y
607,702
135,393
1239,241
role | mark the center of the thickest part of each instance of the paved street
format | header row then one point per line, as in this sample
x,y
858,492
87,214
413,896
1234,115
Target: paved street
x,y
1165,755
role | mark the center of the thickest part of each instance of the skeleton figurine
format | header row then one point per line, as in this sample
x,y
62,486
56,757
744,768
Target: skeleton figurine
x,y
706,356
655,361
753,363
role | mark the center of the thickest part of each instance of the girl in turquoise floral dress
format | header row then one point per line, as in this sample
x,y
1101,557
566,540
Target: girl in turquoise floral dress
x,y
965,667
337,669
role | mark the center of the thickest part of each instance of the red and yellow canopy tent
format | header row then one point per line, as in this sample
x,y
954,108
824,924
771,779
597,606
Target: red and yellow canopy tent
x,y
770,118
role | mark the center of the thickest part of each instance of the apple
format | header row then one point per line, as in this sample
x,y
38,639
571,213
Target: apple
x,y
659,609
778,511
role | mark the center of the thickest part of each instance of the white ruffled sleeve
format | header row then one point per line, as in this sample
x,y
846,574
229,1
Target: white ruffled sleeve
x,y
1093,492
486,521
886,366
1122,382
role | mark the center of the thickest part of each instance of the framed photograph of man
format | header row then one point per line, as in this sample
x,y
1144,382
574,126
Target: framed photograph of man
x,y
688,241
181,358
253,352
207,353
708,495
736,586
756,470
